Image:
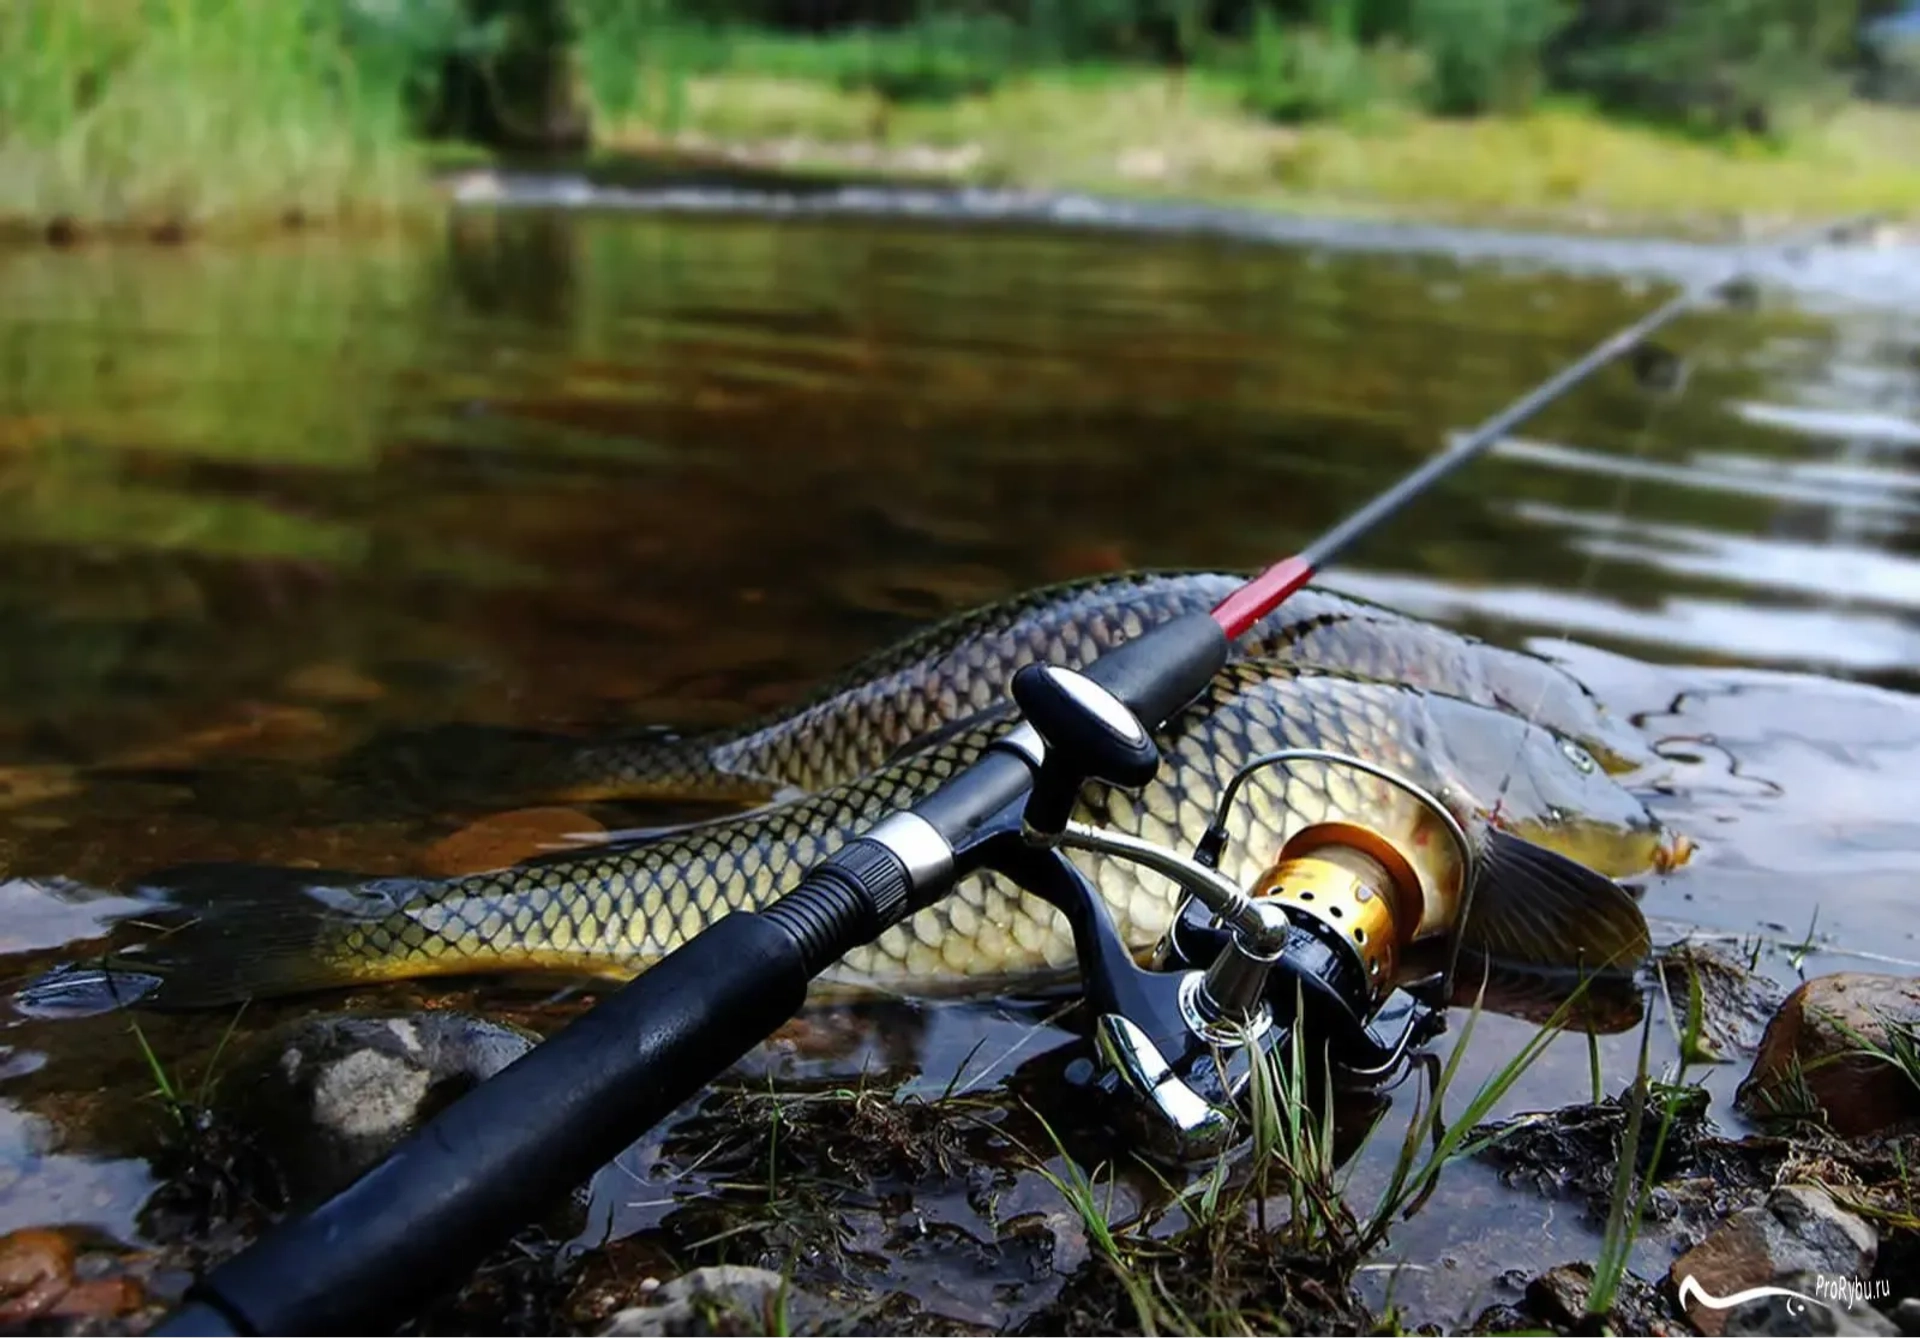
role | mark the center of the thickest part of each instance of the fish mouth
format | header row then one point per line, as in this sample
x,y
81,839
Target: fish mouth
x,y
1673,850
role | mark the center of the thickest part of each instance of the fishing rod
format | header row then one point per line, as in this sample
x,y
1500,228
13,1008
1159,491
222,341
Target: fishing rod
x,y
1318,943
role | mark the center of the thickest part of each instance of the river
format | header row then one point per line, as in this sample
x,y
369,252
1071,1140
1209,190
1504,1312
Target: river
x,y
584,463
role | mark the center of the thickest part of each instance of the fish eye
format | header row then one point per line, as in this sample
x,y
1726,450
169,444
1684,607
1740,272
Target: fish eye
x,y
1577,755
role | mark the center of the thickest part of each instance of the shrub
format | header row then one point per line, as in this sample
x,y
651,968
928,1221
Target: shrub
x,y
1297,73
1485,55
939,59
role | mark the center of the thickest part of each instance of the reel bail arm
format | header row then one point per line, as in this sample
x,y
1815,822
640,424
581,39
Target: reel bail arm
x,y
1315,947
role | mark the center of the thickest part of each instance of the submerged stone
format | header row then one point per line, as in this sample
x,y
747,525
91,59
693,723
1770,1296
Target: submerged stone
x,y
44,1277
726,1298
326,1097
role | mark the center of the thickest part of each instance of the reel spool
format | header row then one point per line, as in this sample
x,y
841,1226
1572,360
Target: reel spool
x,y
1361,891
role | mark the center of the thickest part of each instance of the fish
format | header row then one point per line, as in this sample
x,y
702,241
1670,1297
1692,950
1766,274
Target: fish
x,y
1549,827
912,694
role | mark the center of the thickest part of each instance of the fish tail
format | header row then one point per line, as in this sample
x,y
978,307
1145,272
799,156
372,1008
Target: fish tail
x,y
1535,907
224,933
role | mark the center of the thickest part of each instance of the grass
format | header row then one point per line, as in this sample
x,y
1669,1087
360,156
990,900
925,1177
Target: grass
x,y
1148,133
1229,1269
178,117
1899,1051
171,117
211,1172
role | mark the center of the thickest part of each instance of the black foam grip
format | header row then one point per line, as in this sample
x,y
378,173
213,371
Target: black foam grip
x,y
420,1220
1163,668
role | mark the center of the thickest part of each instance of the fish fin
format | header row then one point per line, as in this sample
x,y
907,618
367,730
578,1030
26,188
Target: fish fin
x,y
1535,907
939,734
228,932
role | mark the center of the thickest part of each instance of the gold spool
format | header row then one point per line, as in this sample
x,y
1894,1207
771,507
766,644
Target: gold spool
x,y
1355,881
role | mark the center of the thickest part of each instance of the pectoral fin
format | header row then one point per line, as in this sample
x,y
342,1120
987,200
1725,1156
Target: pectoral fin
x,y
1535,907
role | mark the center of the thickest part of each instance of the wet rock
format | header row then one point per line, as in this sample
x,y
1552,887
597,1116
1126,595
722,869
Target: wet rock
x,y
1559,1297
35,1268
24,786
326,1097
1906,1316
1810,1060
1773,1317
725,1299
1799,1229
39,1280
243,729
1736,1004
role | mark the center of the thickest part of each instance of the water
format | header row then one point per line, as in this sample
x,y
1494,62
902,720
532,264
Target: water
x,y
576,469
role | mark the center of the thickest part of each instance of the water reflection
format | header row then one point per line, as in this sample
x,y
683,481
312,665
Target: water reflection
x,y
557,471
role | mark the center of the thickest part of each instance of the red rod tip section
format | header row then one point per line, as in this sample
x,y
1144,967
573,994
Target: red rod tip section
x,y
1260,596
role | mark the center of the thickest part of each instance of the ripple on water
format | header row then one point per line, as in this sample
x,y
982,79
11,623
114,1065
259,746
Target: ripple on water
x,y
585,469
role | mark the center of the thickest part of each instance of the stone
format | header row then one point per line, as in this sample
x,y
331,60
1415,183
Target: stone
x,y
39,1282
1559,1298
1783,1315
1559,1295
1808,1062
1799,1229
724,1299
328,1096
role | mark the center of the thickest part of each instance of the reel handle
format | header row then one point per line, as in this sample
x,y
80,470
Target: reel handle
x,y
1090,735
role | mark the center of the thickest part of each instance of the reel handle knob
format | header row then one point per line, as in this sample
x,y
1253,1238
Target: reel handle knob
x,y
1090,735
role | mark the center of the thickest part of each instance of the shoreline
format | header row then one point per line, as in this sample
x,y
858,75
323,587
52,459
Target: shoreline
x,y
1144,138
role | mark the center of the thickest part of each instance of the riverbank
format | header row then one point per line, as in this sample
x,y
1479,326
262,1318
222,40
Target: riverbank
x,y
1158,135
163,164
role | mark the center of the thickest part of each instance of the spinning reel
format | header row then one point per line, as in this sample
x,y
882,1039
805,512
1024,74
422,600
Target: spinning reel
x,y
1321,944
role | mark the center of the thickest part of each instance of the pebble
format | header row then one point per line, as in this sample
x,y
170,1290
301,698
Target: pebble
x,y
38,1281
727,1298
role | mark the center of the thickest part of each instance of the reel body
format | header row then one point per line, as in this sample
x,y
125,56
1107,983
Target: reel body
x,y
1322,946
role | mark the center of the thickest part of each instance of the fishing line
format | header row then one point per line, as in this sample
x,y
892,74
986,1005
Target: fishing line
x,y
1663,399
1595,559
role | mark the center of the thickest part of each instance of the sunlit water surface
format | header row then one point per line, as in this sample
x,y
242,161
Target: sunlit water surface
x,y
573,469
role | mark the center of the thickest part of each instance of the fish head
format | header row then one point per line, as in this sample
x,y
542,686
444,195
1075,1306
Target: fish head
x,y
1541,691
1548,789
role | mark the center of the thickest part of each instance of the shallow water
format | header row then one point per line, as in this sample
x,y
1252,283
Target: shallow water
x,y
260,509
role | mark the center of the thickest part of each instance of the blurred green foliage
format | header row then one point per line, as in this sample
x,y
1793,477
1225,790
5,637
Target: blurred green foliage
x,y
165,115
111,110
1715,65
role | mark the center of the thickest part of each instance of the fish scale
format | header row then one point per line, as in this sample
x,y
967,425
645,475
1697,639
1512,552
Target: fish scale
x,y
614,911
936,679
1565,828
